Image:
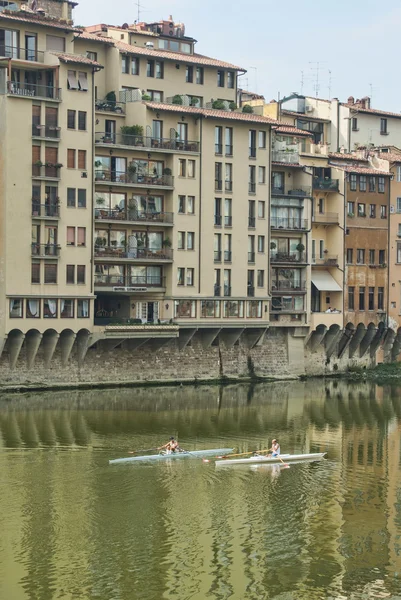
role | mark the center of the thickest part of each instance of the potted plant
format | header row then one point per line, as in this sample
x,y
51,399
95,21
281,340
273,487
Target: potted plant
x,y
300,247
273,245
146,98
247,109
166,243
177,99
38,163
131,169
132,210
232,106
194,102
218,105
167,171
111,97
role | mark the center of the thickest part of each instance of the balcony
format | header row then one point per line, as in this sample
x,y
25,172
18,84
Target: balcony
x,y
218,185
228,186
299,191
227,255
285,156
121,281
46,132
284,258
46,171
228,221
139,216
141,254
329,260
252,187
149,143
218,149
113,107
288,286
51,211
33,90
25,54
229,150
252,222
288,223
217,256
327,319
251,291
325,184
133,179
251,257
326,219
217,220
45,250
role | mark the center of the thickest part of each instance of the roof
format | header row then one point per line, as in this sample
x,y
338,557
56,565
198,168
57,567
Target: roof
x,y
130,28
343,156
198,59
212,113
22,17
91,37
288,129
304,116
78,59
390,156
361,170
277,163
372,111
325,282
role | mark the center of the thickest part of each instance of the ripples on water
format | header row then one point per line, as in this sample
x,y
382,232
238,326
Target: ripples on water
x,y
74,528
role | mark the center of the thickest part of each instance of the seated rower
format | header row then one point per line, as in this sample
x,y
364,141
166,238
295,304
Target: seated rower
x,y
171,446
275,449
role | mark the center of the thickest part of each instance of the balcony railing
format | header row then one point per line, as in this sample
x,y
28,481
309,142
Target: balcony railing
x,y
217,290
329,260
228,221
122,281
45,210
284,156
326,218
288,223
134,215
149,179
252,151
142,141
251,221
29,54
229,150
218,148
217,256
217,220
284,257
44,171
252,187
133,253
227,290
228,186
325,184
45,250
251,257
46,131
251,291
227,255
300,191
293,286
218,185
33,90
105,105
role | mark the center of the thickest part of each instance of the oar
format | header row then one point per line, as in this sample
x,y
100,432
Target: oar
x,y
281,460
245,453
136,451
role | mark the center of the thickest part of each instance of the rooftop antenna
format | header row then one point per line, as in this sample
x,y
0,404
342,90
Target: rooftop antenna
x,y
330,82
316,68
371,93
256,78
302,82
139,6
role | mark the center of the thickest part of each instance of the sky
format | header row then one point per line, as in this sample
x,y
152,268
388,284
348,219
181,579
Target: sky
x,y
354,40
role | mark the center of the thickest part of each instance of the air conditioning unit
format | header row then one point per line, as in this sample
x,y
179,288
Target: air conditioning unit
x,y
308,108
392,209
149,45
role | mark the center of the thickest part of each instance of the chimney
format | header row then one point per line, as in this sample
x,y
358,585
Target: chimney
x,y
170,18
342,150
351,100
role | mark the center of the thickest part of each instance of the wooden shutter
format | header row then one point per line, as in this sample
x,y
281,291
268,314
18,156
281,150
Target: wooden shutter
x,y
81,159
81,236
71,158
51,155
35,154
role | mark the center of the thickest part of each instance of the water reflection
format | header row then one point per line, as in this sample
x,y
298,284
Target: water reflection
x,y
73,527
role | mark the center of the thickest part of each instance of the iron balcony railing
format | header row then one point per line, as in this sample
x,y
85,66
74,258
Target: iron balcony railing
x,y
106,105
251,257
128,281
251,291
325,184
282,286
300,191
228,186
288,223
229,150
47,131
328,260
227,290
134,215
327,217
142,141
228,221
288,257
218,185
30,54
227,255
217,256
251,221
33,90
51,172
217,220
130,178
45,210
133,253
252,187
46,250
285,156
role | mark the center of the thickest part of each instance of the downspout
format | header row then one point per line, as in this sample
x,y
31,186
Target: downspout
x,y
200,204
344,247
338,126
269,171
94,70
388,252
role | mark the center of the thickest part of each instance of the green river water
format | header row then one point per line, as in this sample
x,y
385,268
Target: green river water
x,y
73,527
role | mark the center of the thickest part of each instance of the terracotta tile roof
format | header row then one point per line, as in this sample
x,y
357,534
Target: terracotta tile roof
x,y
284,164
22,17
212,113
130,28
305,116
390,156
361,170
371,111
341,156
198,59
288,129
91,37
78,59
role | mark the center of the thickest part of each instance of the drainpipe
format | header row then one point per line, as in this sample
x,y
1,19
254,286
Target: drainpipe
x,y
94,70
344,237
269,170
388,253
200,204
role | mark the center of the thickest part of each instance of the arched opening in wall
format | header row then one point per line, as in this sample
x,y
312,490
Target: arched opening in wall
x,y
12,347
346,338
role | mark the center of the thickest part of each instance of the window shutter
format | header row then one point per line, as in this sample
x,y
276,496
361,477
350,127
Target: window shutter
x,y
71,158
83,81
81,236
35,154
70,236
81,159
55,42
51,155
72,80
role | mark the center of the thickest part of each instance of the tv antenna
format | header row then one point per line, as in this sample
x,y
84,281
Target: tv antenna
x,y
330,82
256,78
139,6
316,68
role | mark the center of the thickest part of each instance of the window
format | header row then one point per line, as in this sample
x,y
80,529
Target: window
x,y
351,298
354,124
218,140
398,255
383,126
199,75
351,209
227,282
180,276
191,205
71,200
360,256
262,175
261,243
361,209
16,308
150,68
81,274
82,120
35,272
67,309
70,274
33,309
261,209
190,276
398,205
228,182
350,256
72,82
191,168
182,131
218,176
182,167
181,240
383,211
55,42
352,182
181,204
398,173
81,198
83,81
252,175
189,74
91,55
252,143
262,139
371,298
155,95
190,240
70,158
83,309
134,66
372,211
124,63
372,184
229,141
70,236
82,159
380,298
362,183
220,78
382,257
228,215
159,70
81,236
261,279
50,273
372,257
71,119
362,298
231,79
321,248
381,185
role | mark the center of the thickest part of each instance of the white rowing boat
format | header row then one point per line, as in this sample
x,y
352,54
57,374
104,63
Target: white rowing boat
x,y
271,460
183,454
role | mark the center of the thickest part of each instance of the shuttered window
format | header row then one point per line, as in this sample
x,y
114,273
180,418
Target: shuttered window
x,y
35,273
51,155
82,120
81,274
35,159
81,159
83,81
72,80
81,236
71,158
51,273
35,120
71,119
51,116
55,42
70,236
70,275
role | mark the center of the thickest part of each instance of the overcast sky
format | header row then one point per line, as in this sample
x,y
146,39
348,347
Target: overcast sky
x,y
357,40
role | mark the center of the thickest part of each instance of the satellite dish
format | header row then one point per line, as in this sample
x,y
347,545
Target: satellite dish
x,y
125,26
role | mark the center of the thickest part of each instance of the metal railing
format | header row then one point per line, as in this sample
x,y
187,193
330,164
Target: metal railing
x,y
327,217
133,215
227,255
228,186
47,250
218,148
329,260
284,257
288,223
217,220
228,221
45,210
29,54
251,221
106,105
133,253
126,281
33,90
251,291
252,187
149,179
142,141
229,150
285,156
217,256
300,191
218,185
46,131
251,257
323,183
288,285
43,171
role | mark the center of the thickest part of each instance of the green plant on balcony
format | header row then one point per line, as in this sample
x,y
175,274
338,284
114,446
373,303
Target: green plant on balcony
x,y
300,247
100,242
177,99
131,134
167,171
247,108
146,98
194,102
100,201
131,170
232,106
166,243
273,245
38,163
218,105
111,97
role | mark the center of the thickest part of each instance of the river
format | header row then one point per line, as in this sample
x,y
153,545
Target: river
x,y
73,527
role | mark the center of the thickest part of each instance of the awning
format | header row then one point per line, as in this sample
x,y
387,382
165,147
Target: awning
x,y
325,282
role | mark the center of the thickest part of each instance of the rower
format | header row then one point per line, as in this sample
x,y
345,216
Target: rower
x,y
275,449
171,446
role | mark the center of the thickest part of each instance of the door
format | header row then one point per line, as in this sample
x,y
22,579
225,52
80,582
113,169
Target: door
x,y
50,85
30,46
110,131
152,312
